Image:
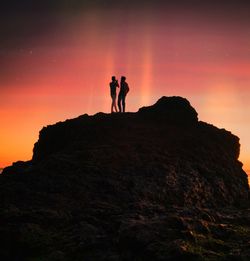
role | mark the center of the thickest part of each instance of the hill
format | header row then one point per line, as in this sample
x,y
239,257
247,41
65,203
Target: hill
x,y
154,185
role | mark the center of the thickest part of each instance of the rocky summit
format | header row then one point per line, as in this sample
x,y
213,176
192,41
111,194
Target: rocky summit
x,y
157,184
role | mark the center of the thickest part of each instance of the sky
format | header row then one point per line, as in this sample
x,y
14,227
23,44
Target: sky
x,y
57,58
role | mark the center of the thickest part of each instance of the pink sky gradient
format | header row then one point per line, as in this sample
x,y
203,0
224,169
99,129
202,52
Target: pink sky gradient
x,y
64,71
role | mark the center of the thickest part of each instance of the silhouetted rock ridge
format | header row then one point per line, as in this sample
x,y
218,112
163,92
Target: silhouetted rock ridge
x,y
153,185
171,109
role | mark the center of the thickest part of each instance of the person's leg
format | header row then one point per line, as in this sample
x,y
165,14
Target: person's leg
x,y
115,103
119,102
123,102
112,103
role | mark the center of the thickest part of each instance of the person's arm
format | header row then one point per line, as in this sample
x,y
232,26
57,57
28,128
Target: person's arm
x,y
127,88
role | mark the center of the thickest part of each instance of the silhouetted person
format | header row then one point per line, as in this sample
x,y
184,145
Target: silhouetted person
x,y
113,85
124,89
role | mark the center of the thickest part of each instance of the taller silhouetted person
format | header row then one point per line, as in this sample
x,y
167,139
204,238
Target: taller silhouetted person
x,y
124,89
113,85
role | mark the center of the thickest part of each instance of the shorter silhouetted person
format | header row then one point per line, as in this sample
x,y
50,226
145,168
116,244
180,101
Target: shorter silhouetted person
x,y
113,85
124,89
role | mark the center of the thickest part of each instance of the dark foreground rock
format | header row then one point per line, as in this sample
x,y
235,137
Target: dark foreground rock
x,y
152,185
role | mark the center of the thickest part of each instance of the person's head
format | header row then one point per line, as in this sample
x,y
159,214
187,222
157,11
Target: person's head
x,y
113,78
123,78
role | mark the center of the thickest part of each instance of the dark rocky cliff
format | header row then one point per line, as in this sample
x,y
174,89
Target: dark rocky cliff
x,y
152,185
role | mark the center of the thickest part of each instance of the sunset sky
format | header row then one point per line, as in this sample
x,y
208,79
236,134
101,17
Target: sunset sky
x,y
56,61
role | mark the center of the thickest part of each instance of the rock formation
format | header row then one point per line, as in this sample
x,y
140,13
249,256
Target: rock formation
x,y
153,185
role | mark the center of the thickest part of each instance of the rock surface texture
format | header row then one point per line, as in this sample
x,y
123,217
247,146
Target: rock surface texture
x,y
153,185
